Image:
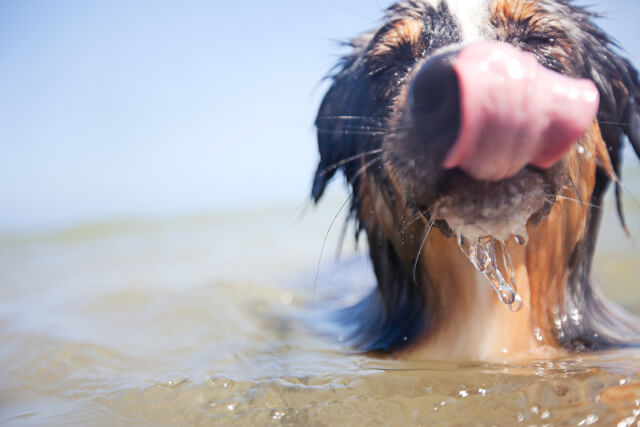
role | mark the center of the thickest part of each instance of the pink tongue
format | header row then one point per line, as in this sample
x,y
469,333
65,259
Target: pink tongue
x,y
515,112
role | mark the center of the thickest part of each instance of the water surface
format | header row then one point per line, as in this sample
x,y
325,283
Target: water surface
x,y
197,320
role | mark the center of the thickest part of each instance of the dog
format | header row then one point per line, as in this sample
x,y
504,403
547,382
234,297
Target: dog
x,y
478,138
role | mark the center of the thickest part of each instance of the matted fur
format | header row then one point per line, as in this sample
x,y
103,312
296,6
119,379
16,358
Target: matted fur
x,y
359,130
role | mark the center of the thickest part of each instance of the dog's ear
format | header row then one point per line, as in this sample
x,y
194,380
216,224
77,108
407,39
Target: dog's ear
x,y
619,86
338,126
619,113
631,114
345,124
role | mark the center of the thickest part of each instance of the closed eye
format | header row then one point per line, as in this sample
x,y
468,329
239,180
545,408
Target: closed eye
x,y
539,39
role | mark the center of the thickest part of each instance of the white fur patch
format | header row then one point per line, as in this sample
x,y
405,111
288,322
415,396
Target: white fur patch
x,y
471,15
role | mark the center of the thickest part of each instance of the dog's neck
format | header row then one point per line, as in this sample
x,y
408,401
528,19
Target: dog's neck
x,y
470,322
466,320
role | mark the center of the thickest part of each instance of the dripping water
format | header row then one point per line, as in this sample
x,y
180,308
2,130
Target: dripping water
x,y
482,255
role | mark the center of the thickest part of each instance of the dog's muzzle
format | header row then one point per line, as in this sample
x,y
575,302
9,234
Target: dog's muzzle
x,y
500,109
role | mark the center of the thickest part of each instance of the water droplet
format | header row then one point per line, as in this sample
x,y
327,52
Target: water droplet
x,y
545,415
580,149
483,256
482,392
627,422
173,380
463,393
520,417
521,240
576,317
591,419
222,382
278,415
231,407
537,332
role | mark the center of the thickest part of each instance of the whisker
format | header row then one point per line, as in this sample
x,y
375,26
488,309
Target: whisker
x,y
424,241
373,132
628,191
575,189
333,221
621,187
343,234
298,212
355,13
364,168
580,202
611,173
324,244
416,218
613,123
379,120
348,160
369,126
354,125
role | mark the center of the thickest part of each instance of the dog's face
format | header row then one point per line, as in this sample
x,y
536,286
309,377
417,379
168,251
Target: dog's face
x,y
481,118
400,92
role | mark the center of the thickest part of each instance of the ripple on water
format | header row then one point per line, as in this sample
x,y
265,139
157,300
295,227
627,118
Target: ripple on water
x,y
173,380
99,331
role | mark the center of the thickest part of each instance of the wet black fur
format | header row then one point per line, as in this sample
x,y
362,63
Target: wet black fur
x,y
353,122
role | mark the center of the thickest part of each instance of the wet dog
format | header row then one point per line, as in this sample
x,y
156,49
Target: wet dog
x,y
478,138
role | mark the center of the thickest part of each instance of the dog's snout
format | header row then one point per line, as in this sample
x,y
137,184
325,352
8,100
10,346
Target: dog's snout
x,y
516,112
490,109
434,96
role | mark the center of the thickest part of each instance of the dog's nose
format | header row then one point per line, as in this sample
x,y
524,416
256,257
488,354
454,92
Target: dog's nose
x,y
434,97
493,109
515,112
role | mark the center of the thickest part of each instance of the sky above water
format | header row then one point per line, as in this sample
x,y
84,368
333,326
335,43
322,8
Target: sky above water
x,y
117,109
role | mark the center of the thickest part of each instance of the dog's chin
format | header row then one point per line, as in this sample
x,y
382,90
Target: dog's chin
x,y
476,209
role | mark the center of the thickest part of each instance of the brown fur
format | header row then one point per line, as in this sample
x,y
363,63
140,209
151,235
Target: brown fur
x,y
473,323
406,32
430,301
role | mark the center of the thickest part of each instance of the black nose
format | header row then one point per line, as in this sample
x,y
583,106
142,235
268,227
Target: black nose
x,y
434,98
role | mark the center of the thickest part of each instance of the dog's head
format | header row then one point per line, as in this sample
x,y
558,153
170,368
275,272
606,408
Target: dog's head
x,y
482,118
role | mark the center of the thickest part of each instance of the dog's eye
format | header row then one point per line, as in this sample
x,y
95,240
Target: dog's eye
x,y
539,39
398,62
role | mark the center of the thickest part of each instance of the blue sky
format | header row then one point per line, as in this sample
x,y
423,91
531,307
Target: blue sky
x,y
141,108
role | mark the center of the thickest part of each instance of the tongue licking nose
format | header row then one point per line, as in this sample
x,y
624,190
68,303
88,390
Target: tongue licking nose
x,y
515,112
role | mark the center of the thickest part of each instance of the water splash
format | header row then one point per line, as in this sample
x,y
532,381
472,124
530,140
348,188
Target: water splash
x,y
482,255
